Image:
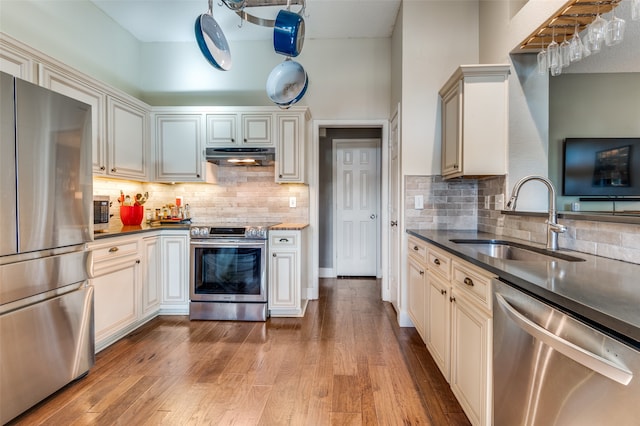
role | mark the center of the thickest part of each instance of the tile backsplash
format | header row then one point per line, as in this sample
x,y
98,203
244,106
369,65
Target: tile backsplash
x,y
448,204
477,204
241,194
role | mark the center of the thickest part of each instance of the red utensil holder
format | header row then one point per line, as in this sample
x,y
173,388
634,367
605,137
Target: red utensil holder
x,y
131,215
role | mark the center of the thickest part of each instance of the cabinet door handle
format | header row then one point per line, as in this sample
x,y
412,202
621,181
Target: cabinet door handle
x,y
436,261
233,140
443,292
274,255
416,248
284,240
103,168
394,223
421,272
138,261
280,176
198,175
468,281
113,170
452,299
245,139
113,249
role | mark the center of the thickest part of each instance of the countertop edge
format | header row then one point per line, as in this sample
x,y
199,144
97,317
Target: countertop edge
x,y
608,324
130,230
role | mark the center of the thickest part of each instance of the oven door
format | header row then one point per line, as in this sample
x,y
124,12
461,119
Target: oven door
x,y
228,270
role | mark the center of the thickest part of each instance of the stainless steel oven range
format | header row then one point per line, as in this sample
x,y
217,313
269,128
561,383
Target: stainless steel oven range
x,y
228,273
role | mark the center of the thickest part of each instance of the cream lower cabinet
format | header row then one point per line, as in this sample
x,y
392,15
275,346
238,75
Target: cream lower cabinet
x,y
437,313
137,277
151,275
287,272
175,273
457,325
416,284
116,277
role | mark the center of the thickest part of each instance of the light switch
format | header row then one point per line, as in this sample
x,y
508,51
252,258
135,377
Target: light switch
x,y
293,202
419,202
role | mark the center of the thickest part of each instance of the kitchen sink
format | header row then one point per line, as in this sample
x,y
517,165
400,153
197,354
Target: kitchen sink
x,y
508,250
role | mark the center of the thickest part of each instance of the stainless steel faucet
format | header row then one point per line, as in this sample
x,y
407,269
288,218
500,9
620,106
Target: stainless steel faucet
x,y
553,227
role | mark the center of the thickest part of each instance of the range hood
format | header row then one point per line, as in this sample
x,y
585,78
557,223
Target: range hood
x,y
240,156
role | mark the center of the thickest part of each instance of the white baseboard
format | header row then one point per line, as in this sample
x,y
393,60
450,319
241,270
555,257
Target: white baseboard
x,y
326,273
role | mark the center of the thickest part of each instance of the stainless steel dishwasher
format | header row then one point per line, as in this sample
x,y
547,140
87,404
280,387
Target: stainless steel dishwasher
x,y
551,369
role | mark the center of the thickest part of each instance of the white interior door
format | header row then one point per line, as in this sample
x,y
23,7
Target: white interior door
x,y
394,204
357,206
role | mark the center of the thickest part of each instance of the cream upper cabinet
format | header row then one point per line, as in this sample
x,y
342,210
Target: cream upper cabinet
x,y
474,103
127,146
15,62
60,82
240,129
178,148
290,152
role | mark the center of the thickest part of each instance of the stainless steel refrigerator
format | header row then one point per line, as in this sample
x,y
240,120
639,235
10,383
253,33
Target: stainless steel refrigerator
x,y
46,302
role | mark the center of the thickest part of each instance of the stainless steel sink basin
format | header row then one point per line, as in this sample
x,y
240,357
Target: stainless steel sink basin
x,y
509,250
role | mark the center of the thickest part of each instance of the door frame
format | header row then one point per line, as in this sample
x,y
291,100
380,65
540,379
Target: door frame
x,y
313,158
378,147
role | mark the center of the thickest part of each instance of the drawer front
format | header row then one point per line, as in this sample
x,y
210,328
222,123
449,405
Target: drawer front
x,y
417,249
281,239
472,282
116,250
439,262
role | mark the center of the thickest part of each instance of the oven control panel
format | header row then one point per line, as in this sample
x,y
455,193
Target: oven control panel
x,y
250,232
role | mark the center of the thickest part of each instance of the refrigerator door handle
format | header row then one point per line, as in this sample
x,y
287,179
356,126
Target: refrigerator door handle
x,y
90,270
588,359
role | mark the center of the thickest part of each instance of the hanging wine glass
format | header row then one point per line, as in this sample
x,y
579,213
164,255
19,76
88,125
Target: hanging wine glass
x,y
543,63
565,55
586,51
575,46
553,52
597,30
615,30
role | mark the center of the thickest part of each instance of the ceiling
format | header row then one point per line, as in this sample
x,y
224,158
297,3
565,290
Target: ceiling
x,y
173,20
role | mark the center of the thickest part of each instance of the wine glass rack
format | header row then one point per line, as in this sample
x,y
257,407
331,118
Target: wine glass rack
x,y
574,14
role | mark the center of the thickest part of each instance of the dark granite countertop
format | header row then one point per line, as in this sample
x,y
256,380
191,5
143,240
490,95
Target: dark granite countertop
x,y
603,292
118,231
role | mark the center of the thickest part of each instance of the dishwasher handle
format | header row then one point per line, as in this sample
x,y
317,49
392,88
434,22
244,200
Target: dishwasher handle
x,y
588,359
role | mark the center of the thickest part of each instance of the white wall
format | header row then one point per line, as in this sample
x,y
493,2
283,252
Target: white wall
x,y
78,34
437,37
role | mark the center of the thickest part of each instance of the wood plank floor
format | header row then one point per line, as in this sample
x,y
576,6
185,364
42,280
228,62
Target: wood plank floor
x,y
345,363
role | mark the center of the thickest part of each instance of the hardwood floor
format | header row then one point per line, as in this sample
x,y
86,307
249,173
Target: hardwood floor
x,y
345,363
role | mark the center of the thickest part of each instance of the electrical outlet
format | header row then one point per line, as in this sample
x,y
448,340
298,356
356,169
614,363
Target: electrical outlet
x,y
293,202
499,202
487,202
419,202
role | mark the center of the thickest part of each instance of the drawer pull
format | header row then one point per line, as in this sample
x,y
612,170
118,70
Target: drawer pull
x,y
436,261
113,249
416,248
284,240
421,272
468,281
443,292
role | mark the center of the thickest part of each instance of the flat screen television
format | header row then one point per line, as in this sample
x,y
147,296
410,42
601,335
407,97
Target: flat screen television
x,y
601,167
